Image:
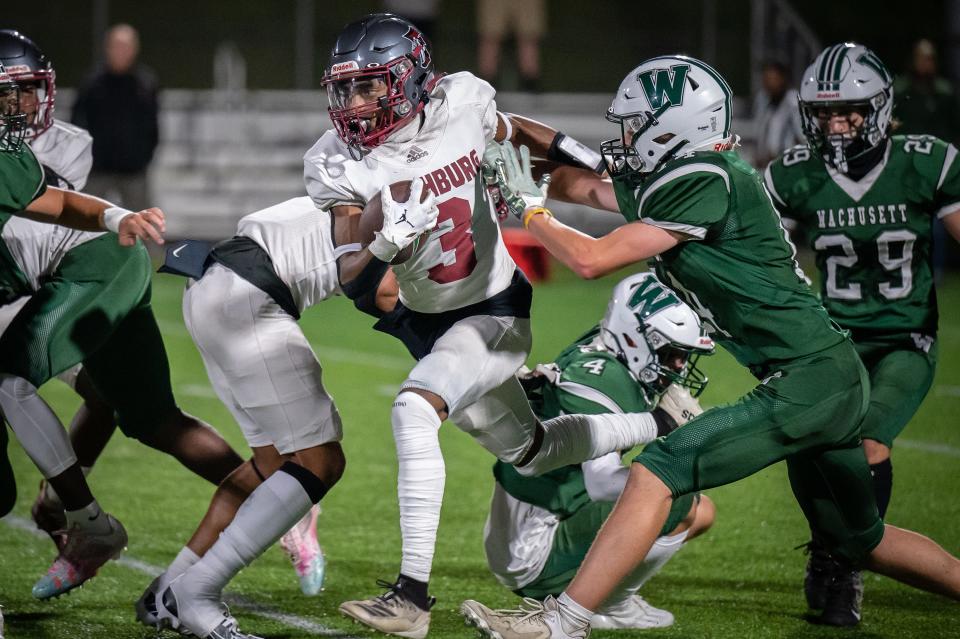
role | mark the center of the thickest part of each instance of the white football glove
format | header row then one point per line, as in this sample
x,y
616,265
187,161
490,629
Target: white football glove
x,y
514,177
403,222
679,404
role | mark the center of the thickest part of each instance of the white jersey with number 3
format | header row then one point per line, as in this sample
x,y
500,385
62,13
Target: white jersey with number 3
x,y
463,260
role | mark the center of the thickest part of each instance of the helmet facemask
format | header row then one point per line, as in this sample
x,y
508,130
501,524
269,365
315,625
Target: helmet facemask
x,y
655,361
367,105
13,121
624,162
37,93
860,139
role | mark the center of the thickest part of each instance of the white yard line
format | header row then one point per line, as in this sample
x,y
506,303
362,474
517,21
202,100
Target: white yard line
x,y
928,447
946,390
243,603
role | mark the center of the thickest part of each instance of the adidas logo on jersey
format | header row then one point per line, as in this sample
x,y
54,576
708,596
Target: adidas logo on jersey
x,y
415,153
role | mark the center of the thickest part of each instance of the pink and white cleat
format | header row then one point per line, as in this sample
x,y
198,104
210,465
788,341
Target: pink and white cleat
x,y
302,545
81,557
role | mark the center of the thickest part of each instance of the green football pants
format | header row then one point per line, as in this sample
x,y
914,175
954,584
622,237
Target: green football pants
x,y
807,411
900,377
95,309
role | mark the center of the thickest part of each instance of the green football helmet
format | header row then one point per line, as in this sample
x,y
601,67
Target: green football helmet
x,y
845,77
667,106
13,121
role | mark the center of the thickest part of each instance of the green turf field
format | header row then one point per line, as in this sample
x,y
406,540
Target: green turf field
x,y
741,580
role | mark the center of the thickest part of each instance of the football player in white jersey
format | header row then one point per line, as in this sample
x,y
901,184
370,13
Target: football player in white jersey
x,y
242,313
464,307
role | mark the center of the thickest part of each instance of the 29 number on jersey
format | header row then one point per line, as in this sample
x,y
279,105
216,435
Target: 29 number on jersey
x,y
892,260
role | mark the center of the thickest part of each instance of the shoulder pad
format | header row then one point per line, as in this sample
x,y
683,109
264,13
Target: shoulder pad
x,y
325,173
465,88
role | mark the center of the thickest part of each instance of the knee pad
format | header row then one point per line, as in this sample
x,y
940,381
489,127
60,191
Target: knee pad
x,y
314,487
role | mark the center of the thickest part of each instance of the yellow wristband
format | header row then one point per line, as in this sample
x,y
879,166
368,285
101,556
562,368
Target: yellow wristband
x,y
529,213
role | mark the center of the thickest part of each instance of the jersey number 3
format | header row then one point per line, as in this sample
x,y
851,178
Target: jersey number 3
x,y
458,239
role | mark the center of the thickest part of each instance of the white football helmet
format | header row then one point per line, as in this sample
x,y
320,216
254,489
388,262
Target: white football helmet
x,y
667,105
846,76
656,335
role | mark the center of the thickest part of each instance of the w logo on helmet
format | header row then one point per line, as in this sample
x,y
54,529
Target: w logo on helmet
x,y
651,297
664,87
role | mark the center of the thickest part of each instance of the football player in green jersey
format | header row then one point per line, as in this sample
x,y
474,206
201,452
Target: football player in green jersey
x,y
704,213
866,201
89,301
640,358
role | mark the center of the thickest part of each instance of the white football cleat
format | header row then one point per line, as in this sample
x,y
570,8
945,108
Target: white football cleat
x,y
146,606
181,608
301,544
634,613
532,620
82,556
391,613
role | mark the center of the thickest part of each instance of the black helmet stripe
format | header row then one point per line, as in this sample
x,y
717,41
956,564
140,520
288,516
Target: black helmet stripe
x,y
825,63
838,64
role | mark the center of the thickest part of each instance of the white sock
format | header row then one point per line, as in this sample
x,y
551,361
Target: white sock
x,y
181,563
572,615
420,481
573,439
660,553
270,511
89,519
36,426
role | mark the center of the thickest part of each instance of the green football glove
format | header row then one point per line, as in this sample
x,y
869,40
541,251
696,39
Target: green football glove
x,y
513,177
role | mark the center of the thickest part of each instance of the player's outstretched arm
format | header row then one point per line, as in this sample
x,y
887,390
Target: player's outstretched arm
x,y
89,213
587,256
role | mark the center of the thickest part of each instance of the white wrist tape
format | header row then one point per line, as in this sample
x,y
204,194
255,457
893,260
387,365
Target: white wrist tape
x,y
382,248
507,125
113,216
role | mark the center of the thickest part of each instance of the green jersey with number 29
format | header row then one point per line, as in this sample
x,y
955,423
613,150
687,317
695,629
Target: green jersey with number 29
x,y
873,237
736,268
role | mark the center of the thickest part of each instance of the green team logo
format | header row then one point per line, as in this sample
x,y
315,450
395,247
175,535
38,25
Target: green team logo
x,y
867,58
651,297
664,87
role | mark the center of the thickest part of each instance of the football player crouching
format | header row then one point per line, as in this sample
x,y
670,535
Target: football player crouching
x,y
641,357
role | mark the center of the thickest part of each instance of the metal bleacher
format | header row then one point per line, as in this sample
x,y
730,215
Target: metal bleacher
x,y
225,154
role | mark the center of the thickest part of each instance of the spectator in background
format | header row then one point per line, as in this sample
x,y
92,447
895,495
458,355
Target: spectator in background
x,y
927,103
924,101
422,13
118,106
776,113
527,21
